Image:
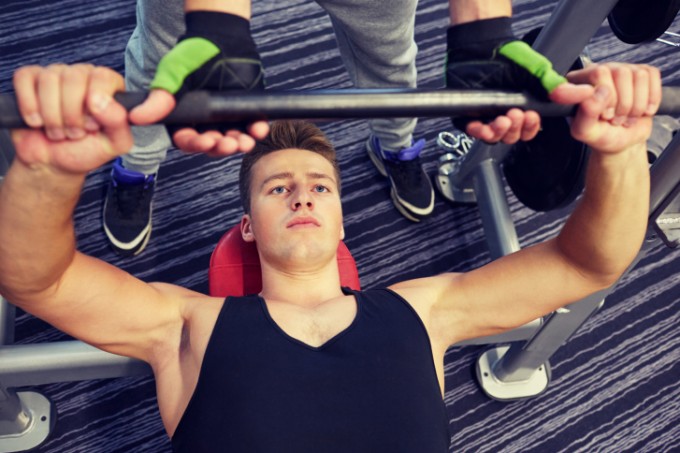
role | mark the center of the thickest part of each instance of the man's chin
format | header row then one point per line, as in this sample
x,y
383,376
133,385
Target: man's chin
x,y
306,254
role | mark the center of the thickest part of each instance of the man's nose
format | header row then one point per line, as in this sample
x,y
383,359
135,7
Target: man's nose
x,y
302,198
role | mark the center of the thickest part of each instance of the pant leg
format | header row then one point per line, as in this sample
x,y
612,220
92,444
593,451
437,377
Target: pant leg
x,y
159,24
377,44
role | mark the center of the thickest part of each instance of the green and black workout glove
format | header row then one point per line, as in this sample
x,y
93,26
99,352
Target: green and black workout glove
x,y
217,53
486,55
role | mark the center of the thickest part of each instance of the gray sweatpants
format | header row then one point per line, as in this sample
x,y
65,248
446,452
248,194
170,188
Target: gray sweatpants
x,y
375,38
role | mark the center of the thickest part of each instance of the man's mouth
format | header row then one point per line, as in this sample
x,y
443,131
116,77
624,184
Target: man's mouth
x,y
303,222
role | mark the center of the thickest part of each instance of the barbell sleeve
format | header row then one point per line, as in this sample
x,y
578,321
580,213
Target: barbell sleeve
x,y
201,107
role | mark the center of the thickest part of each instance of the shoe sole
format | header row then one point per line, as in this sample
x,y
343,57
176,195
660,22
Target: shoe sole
x,y
129,249
401,209
145,243
409,211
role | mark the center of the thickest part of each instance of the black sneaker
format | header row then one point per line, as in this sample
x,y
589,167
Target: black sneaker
x,y
412,191
127,210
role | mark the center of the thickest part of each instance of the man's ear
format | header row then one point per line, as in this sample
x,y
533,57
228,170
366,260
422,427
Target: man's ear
x,y
342,232
247,229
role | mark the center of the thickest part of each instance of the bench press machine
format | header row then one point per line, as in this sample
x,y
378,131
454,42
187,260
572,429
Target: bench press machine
x,y
506,373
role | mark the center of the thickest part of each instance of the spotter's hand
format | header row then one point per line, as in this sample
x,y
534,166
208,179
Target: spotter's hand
x,y
514,66
214,143
217,53
519,125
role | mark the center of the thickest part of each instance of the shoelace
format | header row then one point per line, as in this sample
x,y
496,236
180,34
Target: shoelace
x,y
409,171
130,199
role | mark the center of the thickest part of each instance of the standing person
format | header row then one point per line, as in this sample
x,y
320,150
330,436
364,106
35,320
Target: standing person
x,y
377,45
305,365
221,38
377,53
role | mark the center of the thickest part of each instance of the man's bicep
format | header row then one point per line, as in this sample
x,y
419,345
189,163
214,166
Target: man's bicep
x,y
510,292
108,308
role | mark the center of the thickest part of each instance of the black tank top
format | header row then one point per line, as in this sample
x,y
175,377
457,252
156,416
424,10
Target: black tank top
x,y
371,388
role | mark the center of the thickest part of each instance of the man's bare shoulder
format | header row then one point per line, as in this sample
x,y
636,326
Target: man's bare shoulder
x,y
424,293
426,284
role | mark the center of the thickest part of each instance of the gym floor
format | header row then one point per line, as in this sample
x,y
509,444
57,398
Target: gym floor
x,y
615,383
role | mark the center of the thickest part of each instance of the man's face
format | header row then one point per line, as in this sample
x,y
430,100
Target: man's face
x,y
295,211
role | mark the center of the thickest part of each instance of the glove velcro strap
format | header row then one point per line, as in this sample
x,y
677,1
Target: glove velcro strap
x,y
536,64
187,56
228,32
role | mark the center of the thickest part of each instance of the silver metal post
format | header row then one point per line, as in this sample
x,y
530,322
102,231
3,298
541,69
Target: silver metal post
x,y
569,29
522,370
7,312
499,229
63,361
664,173
13,418
26,419
522,360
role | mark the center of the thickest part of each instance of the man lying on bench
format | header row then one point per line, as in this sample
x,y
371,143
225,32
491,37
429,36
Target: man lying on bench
x,y
305,365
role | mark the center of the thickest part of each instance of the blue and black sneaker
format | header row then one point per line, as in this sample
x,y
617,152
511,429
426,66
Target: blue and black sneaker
x,y
127,209
412,191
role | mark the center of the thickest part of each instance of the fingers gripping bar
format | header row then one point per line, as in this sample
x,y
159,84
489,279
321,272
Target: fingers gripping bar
x,y
210,107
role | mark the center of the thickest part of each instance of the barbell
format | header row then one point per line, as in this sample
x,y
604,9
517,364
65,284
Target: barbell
x,y
201,107
544,174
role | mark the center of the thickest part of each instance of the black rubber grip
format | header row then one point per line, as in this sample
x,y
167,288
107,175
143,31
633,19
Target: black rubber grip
x,y
190,109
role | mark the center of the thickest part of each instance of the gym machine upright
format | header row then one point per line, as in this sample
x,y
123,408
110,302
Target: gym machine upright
x,y
517,369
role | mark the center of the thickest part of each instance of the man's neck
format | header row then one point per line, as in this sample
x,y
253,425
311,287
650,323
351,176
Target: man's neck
x,y
308,287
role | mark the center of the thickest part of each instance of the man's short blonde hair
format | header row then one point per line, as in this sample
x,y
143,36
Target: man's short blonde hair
x,y
285,134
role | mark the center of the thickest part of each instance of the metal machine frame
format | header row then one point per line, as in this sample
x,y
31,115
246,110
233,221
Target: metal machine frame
x,y
522,369
518,369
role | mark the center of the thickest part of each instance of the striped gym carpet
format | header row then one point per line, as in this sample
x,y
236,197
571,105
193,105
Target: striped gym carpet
x,y
616,382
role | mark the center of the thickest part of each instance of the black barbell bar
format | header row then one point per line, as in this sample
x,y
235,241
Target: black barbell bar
x,y
200,107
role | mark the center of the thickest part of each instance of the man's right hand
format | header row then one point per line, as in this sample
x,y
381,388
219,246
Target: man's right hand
x,y
619,114
76,124
217,53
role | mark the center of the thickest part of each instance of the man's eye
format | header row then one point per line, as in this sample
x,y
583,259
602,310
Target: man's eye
x,y
319,188
278,190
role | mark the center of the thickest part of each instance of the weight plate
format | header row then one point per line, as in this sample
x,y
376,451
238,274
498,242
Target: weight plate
x,y
637,21
549,171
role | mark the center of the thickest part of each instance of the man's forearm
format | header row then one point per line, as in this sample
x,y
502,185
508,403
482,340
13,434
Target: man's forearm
x,y
236,7
606,230
38,241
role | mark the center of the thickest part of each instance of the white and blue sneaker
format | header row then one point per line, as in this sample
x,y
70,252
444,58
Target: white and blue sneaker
x,y
412,191
128,209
